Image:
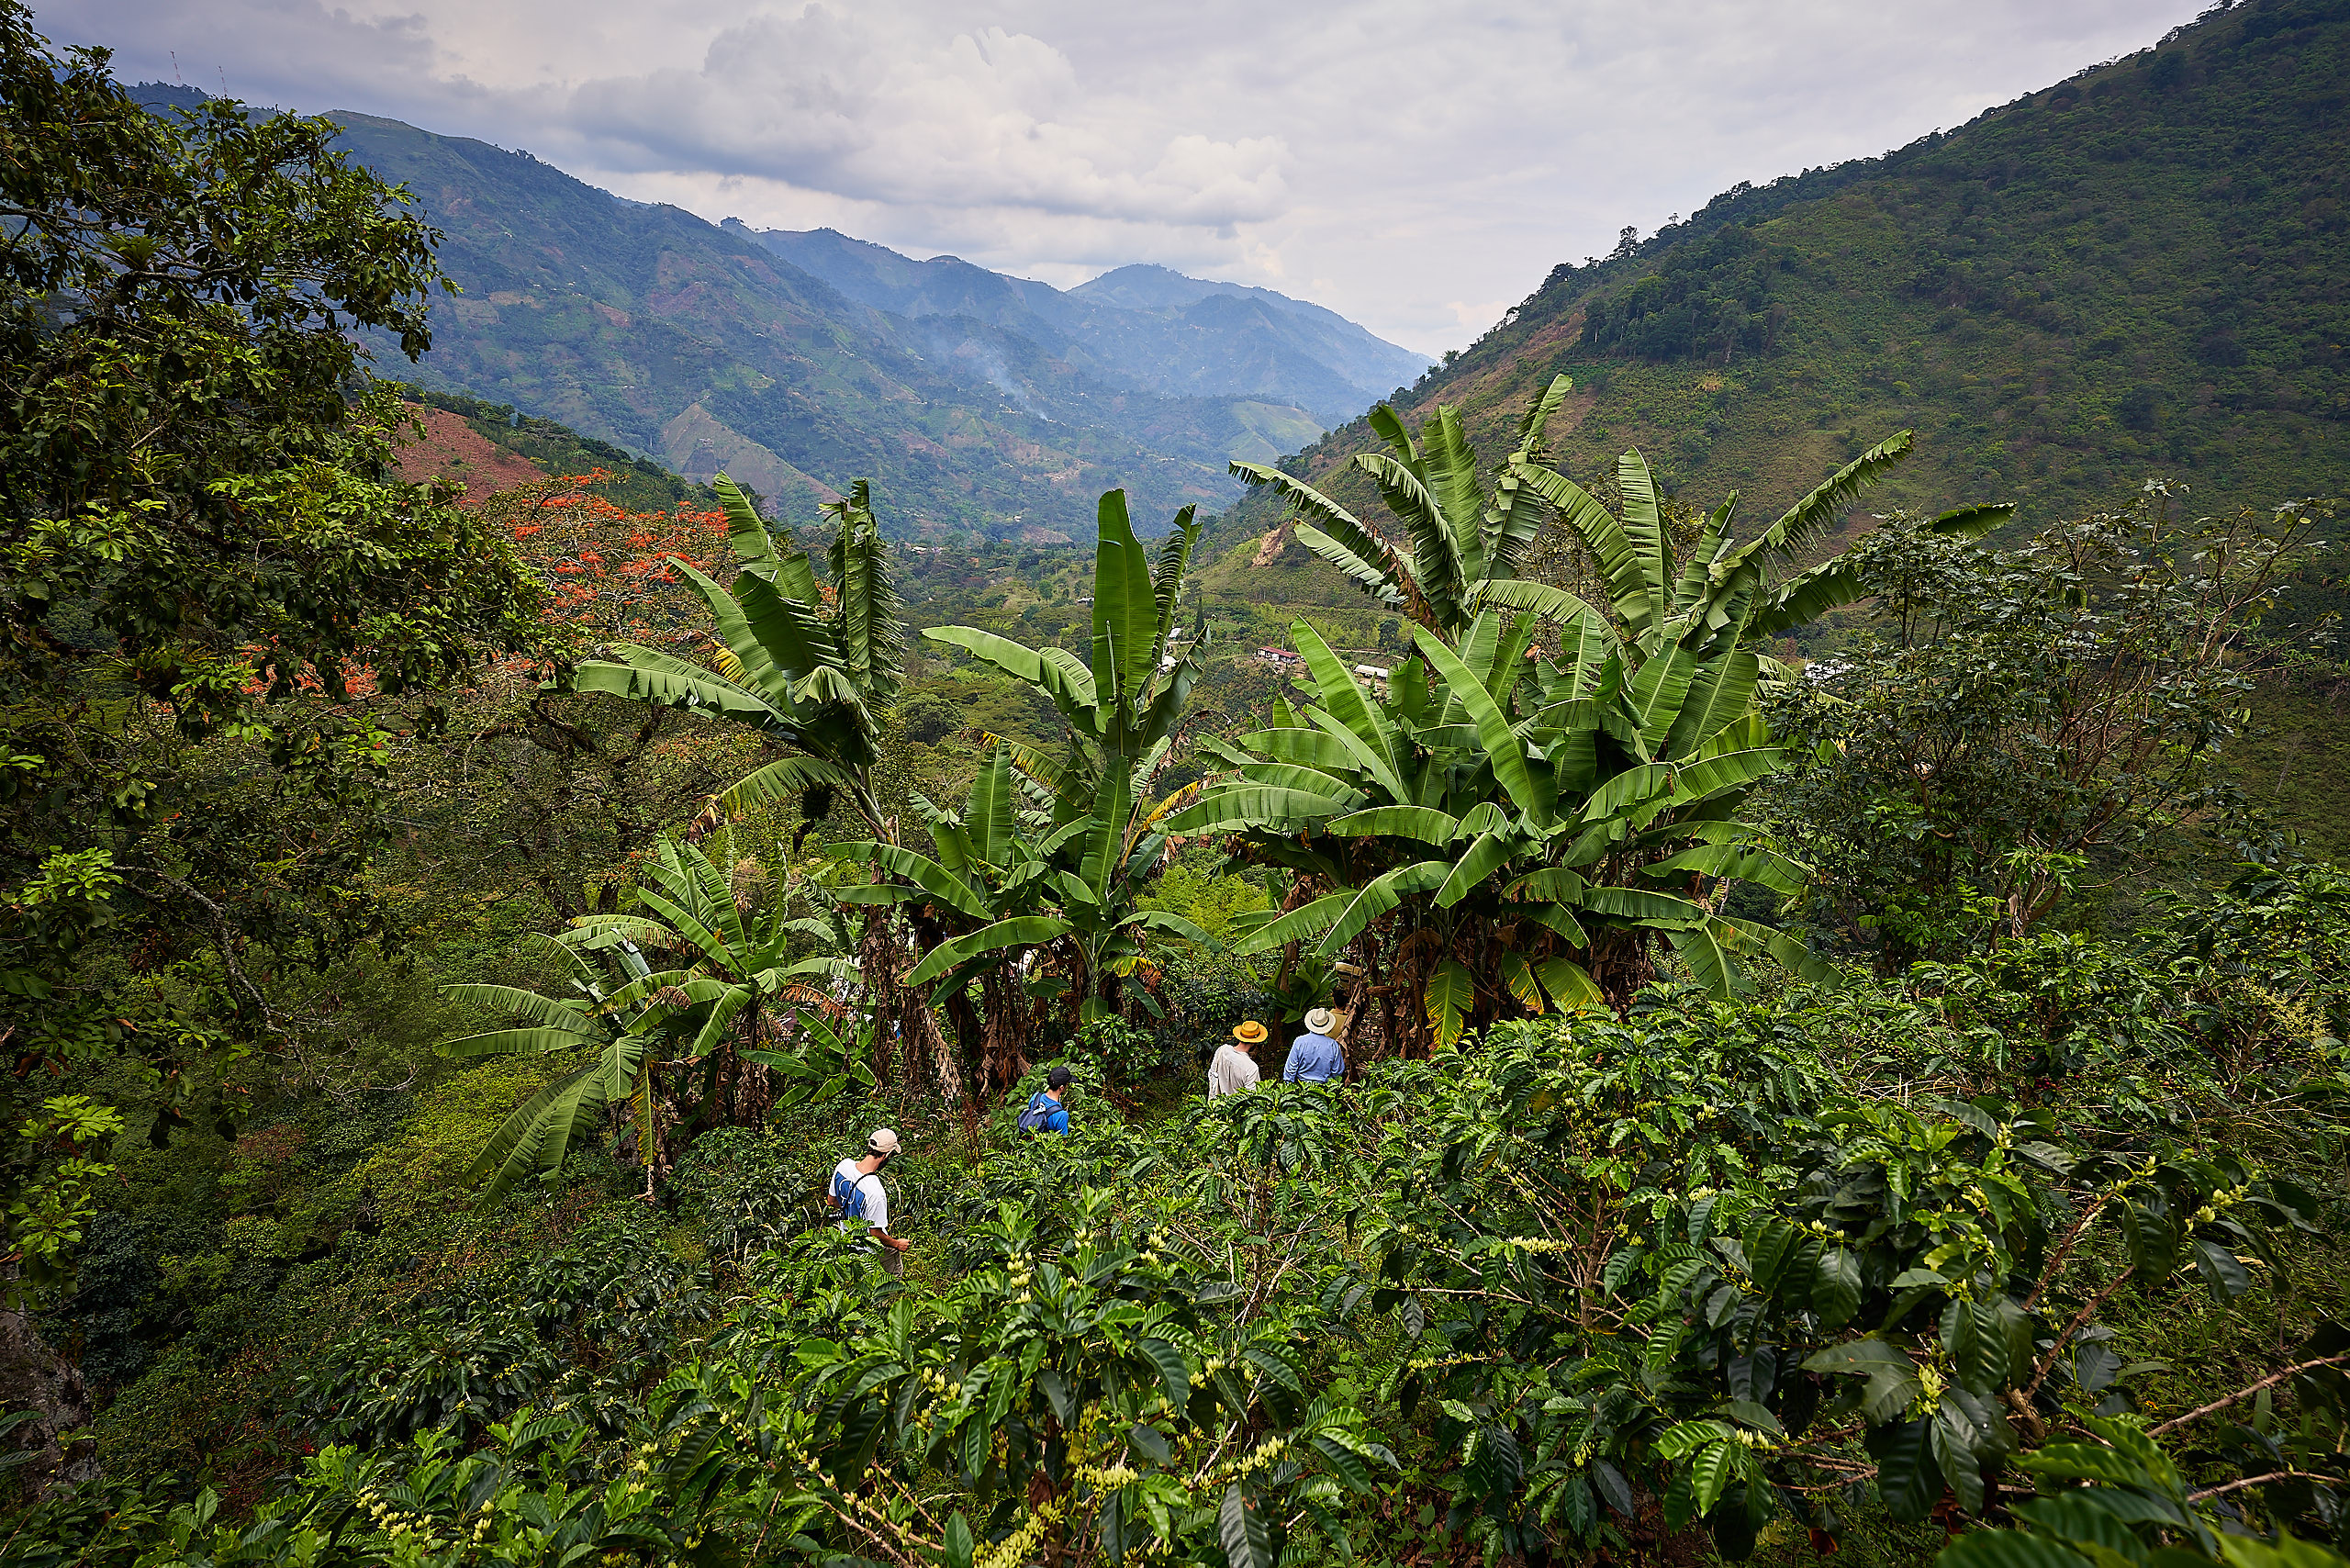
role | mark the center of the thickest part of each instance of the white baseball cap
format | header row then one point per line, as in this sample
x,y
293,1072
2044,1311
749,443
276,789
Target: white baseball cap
x,y
883,1141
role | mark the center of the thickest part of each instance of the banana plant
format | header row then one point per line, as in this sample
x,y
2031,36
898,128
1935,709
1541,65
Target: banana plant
x,y
1502,828
1098,834
1466,542
805,663
810,664
1479,859
703,1015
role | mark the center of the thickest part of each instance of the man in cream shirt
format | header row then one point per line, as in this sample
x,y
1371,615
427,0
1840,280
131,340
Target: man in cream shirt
x,y
1234,1068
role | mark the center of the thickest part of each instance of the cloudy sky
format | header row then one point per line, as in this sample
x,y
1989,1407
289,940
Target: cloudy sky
x,y
1418,169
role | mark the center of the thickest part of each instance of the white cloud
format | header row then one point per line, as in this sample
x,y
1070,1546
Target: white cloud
x,y
1425,168
875,106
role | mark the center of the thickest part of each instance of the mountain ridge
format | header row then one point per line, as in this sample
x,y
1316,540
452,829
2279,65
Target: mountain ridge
x,y
645,326
1141,325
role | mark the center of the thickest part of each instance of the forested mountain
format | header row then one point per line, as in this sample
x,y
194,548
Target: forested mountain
x,y
647,327
1140,326
2136,272
978,403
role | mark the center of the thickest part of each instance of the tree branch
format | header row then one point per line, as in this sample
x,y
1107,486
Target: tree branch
x,y
2249,1389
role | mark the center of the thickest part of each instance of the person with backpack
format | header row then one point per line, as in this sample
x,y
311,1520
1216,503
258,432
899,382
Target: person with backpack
x,y
1314,1056
859,1194
1234,1067
1047,1109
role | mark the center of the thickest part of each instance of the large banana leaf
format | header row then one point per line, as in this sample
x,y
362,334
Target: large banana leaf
x,y
1344,699
1639,904
1311,747
1721,692
521,1042
1338,536
1229,810
1729,770
1167,581
1809,595
1296,925
1818,511
1020,931
1736,862
687,924
872,634
1451,466
1659,689
1644,529
989,812
1376,575
537,1134
1713,543
1069,685
1710,964
923,872
513,1003
1515,519
1484,857
1379,896
1450,998
1619,557
787,779
651,677
747,531
1125,607
1422,823
1503,752
1403,486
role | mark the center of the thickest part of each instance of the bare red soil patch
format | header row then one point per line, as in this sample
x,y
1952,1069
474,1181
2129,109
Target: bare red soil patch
x,y
453,449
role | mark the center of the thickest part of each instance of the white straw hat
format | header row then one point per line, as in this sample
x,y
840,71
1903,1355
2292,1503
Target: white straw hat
x,y
1321,1020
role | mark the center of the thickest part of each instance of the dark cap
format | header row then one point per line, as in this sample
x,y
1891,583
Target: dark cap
x,y
1057,1078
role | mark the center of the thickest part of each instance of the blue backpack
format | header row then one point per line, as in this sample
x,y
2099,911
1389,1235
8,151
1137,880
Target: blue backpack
x,y
849,1195
1038,1114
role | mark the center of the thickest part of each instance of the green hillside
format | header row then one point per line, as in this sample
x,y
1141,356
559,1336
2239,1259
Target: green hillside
x,y
2137,271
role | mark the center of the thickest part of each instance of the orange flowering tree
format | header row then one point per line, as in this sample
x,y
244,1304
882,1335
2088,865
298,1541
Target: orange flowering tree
x,y
543,785
612,574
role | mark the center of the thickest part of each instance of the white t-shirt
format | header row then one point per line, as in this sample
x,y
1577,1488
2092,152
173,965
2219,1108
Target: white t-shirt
x,y
877,1196
1232,1071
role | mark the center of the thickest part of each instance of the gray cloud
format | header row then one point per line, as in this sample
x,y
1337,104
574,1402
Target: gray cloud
x,y
1418,169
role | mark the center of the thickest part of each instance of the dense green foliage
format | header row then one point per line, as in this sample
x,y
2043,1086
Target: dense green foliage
x,y
203,580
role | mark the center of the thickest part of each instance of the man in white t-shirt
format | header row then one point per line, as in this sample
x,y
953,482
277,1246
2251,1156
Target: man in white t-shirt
x,y
1234,1070
859,1194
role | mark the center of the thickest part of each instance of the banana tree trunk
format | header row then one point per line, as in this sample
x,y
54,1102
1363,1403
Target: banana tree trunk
x,y
904,1013
1621,962
1004,1043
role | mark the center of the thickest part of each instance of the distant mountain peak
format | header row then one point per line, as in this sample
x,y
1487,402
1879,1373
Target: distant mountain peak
x,y
1141,325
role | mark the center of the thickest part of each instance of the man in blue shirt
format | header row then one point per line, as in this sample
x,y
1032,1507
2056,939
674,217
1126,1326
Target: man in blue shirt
x,y
1314,1057
1046,1111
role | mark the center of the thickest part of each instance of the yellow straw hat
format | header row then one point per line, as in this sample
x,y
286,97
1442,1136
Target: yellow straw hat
x,y
1250,1033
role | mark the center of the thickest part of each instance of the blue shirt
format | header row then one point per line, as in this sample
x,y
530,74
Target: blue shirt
x,y
1056,1113
1313,1058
